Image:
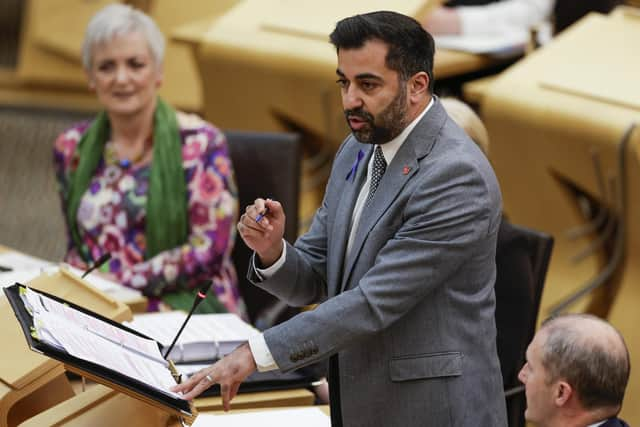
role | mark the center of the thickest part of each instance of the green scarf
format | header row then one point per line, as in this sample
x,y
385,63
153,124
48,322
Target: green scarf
x,y
166,225
166,210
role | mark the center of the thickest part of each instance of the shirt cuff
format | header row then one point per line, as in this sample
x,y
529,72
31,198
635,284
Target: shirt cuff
x,y
261,354
270,271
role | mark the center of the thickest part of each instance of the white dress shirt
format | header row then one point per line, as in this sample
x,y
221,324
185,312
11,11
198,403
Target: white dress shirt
x,y
261,354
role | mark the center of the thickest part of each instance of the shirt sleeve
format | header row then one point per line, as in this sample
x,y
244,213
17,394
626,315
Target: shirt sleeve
x,y
266,273
503,16
261,354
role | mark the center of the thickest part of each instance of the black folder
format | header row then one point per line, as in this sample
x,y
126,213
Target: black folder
x,y
101,374
268,381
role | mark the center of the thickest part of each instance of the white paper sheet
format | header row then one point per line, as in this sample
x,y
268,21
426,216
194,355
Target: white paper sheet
x,y
9,278
307,417
99,342
19,261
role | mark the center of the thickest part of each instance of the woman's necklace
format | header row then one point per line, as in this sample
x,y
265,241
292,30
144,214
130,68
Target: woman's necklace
x,y
112,157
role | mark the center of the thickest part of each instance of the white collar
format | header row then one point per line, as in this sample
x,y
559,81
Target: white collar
x,y
390,148
599,423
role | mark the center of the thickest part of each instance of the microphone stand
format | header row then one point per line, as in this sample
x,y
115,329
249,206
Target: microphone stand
x,y
99,262
200,296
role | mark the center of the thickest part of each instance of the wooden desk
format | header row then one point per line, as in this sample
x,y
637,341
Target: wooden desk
x,y
265,399
29,382
137,303
549,117
54,29
103,407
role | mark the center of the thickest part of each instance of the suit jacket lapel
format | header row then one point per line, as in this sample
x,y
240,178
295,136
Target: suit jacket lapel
x,y
344,213
404,166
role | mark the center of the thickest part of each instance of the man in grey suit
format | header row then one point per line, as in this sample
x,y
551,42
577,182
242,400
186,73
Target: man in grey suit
x,y
400,255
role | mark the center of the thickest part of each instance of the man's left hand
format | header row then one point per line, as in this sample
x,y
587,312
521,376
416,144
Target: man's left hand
x,y
229,372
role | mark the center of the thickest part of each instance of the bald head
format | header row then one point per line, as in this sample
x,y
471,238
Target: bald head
x,y
590,355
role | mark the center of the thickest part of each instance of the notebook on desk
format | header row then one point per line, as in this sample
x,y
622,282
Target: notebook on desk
x,y
97,348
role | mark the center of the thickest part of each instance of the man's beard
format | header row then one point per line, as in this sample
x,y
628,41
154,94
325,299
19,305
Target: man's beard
x,y
384,127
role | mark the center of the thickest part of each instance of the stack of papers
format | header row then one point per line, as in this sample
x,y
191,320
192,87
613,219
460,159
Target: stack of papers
x,y
205,338
96,341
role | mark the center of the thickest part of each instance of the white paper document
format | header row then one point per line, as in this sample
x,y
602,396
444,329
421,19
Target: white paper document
x,y
9,278
96,341
19,261
206,336
307,417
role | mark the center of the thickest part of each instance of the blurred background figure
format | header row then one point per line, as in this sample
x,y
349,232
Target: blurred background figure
x,y
151,186
468,120
473,17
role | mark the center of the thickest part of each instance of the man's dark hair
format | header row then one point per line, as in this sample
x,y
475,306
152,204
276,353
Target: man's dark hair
x,y
411,48
598,370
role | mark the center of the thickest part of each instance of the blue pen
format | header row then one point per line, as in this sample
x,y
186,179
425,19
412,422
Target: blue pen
x,y
262,215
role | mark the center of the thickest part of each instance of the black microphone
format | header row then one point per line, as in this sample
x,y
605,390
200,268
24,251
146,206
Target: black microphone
x,y
200,296
99,262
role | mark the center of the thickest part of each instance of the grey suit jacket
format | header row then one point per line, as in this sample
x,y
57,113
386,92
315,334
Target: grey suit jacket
x,y
410,311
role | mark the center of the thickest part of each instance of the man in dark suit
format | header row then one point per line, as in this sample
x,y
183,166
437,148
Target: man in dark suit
x,y
576,373
401,254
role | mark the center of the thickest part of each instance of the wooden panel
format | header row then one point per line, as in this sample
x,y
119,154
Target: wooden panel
x,y
52,38
543,142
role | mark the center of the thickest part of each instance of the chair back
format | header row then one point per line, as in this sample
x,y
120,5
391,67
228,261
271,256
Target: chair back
x,y
522,260
266,164
30,214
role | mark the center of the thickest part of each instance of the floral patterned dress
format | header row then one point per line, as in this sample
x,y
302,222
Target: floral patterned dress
x,y
112,215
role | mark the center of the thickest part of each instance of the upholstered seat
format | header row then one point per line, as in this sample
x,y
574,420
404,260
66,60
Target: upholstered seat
x,y
267,164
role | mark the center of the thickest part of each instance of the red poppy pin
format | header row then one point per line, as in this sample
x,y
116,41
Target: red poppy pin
x,y
406,170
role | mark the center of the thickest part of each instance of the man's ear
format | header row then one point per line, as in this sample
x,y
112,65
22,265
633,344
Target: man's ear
x,y
562,393
418,86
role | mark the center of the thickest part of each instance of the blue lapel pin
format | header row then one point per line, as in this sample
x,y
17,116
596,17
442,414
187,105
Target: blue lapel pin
x,y
352,173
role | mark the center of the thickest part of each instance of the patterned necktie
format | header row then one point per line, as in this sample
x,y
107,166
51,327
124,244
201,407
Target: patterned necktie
x,y
379,166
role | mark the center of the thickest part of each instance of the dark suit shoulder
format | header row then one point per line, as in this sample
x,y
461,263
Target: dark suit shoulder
x,y
615,422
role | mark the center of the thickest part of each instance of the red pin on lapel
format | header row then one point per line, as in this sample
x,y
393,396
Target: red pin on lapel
x,y
406,170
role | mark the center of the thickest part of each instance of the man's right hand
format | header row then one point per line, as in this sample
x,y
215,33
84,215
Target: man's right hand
x,y
262,229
